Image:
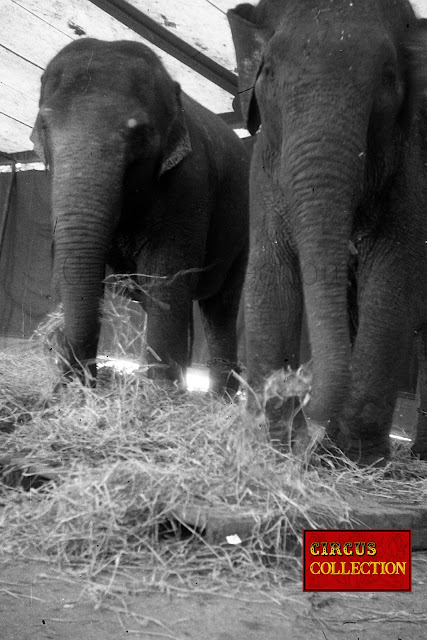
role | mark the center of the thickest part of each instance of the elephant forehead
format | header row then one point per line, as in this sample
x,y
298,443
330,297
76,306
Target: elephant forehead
x,y
363,12
92,51
333,26
82,71
330,47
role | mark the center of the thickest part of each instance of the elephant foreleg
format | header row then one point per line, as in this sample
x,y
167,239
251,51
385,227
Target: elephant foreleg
x,y
273,329
420,445
219,313
169,318
383,337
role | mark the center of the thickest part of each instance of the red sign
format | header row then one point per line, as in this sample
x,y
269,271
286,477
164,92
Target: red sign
x,y
357,560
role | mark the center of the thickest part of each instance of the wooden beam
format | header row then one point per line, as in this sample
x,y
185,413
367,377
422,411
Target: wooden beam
x,y
24,157
235,120
158,35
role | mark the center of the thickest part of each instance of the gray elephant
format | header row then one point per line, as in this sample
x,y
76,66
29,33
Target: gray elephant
x,y
151,184
338,203
419,447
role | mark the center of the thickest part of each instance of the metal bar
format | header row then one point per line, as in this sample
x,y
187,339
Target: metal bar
x,y
158,35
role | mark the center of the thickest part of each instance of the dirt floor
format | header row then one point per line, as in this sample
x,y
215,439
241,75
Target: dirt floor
x,y
37,602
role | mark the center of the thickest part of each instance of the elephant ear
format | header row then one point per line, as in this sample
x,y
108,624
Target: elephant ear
x,y
416,43
178,143
249,41
36,138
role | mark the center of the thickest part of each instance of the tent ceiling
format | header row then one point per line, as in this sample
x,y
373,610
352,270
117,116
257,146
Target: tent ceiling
x,y
191,36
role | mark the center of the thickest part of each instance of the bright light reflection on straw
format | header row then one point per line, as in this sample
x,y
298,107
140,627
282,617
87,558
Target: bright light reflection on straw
x,y
197,379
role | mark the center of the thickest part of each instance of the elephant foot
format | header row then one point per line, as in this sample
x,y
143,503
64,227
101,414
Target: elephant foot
x,y
171,387
224,377
327,454
419,454
87,375
169,377
419,448
338,451
365,453
282,422
364,429
305,434
292,430
256,426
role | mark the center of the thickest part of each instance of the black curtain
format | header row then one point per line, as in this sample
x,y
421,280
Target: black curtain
x,y
25,252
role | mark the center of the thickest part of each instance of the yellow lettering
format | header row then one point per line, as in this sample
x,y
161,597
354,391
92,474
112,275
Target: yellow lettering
x,y
375,565
324,548
401,567
354,566
347,548
361,568
316,573
314,549
371,549
323,570
344,573
357,547
392,570
335,548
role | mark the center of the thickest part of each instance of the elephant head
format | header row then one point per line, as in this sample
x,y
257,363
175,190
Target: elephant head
x,y
335,87
105,107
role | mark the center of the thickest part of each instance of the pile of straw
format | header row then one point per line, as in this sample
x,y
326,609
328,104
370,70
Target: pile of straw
x,y
117,469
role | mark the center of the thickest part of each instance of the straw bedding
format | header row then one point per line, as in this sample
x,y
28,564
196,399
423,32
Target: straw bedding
x,y
101,480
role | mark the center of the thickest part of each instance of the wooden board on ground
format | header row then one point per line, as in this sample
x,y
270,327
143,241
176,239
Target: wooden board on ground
x,y
217,523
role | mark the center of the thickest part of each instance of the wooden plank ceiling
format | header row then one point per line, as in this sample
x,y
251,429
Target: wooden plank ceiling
x,y
191,36
33,31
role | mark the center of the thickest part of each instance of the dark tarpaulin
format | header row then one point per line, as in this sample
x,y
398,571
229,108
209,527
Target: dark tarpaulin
x,y
25,254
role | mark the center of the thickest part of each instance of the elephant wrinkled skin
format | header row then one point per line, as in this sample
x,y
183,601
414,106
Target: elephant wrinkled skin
x,y
338,203
151,184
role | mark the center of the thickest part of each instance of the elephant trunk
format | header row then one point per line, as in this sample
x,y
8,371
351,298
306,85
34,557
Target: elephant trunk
x,y
324,173
85,200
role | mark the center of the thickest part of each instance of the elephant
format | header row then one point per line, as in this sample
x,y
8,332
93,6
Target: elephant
x,y
334,91
153,186
419,447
